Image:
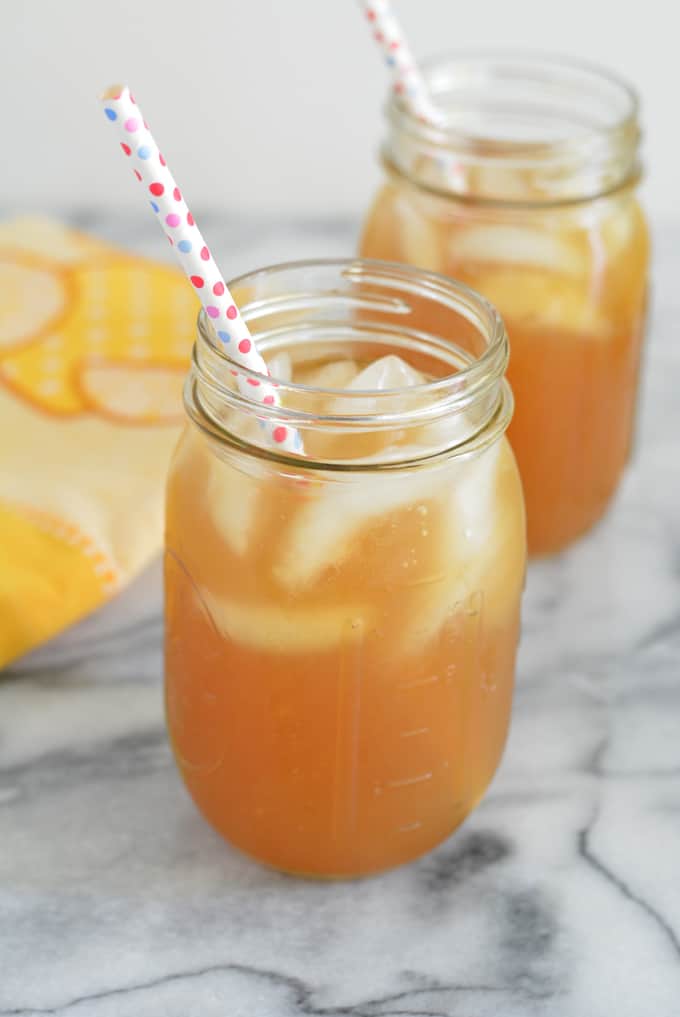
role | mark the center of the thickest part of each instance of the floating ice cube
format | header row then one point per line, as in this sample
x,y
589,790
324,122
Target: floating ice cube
x,y
280,629
447,432
543,300
492,181
280,366
324,530
388,372
518,245
619,226
232,498
336,374
420,237
474,549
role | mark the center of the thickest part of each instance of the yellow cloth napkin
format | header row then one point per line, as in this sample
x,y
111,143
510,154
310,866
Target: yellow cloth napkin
x,y
94,346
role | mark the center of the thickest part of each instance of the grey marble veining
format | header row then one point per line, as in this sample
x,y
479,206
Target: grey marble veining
x,y
559,896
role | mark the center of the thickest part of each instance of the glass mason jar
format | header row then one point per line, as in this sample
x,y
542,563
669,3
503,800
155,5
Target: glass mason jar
x,y
341,627
526,192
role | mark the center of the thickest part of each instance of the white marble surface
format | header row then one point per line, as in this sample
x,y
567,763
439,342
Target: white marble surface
x,y
559,896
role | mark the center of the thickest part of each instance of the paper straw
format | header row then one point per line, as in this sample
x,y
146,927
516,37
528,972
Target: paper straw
x,y
179,226
407,81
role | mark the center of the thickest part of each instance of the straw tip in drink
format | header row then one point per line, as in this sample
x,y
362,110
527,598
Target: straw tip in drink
x,y
112,92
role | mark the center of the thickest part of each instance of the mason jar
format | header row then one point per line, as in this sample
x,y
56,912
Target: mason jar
x,y
526,191
341,624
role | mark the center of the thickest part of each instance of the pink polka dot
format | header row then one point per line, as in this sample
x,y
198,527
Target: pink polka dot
x,y
379,36
177,194
269,400
235,373
394,45
280,433
213,312
254,382
231,312
126,148
160,156
218,289
138,174
156,189
190,219
172,219
131,125
197,281
244,345
370,15
171,241
205,254
146,125
132,99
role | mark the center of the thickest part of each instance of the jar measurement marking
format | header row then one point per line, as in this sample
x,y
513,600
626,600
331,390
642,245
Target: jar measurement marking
x,y
416,731
409,781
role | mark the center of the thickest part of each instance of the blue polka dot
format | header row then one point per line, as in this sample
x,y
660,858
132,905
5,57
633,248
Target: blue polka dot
x,y
225,337
298,441
154,206
184,246
144,152
111,113
390,61
260,423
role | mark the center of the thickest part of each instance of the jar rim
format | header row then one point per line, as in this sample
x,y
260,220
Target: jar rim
x,y
212,365
517,60
592,122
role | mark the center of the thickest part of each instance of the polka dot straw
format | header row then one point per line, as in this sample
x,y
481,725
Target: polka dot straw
x,y
193,254
407,81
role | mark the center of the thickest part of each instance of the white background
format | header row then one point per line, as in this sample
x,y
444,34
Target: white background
x,y
275,105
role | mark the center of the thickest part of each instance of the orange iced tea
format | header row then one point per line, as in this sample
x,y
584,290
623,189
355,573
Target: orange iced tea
x,y
341,629
550,231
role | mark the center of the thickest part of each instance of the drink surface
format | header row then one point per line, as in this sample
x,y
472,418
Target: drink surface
x,y
570,284
340,652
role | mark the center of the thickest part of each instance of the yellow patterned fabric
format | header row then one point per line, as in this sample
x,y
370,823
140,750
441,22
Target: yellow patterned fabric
x,y
94,346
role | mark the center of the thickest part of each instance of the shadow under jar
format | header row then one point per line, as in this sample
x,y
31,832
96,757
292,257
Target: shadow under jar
x,y
526,192
341,627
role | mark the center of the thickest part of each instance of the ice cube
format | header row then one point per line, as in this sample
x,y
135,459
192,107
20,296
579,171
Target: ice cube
x,y
539,299
620,226
509,183
280,366
232,498
447,432
336,374
471,545
388,372
420,237
289,629
518,245
324,530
